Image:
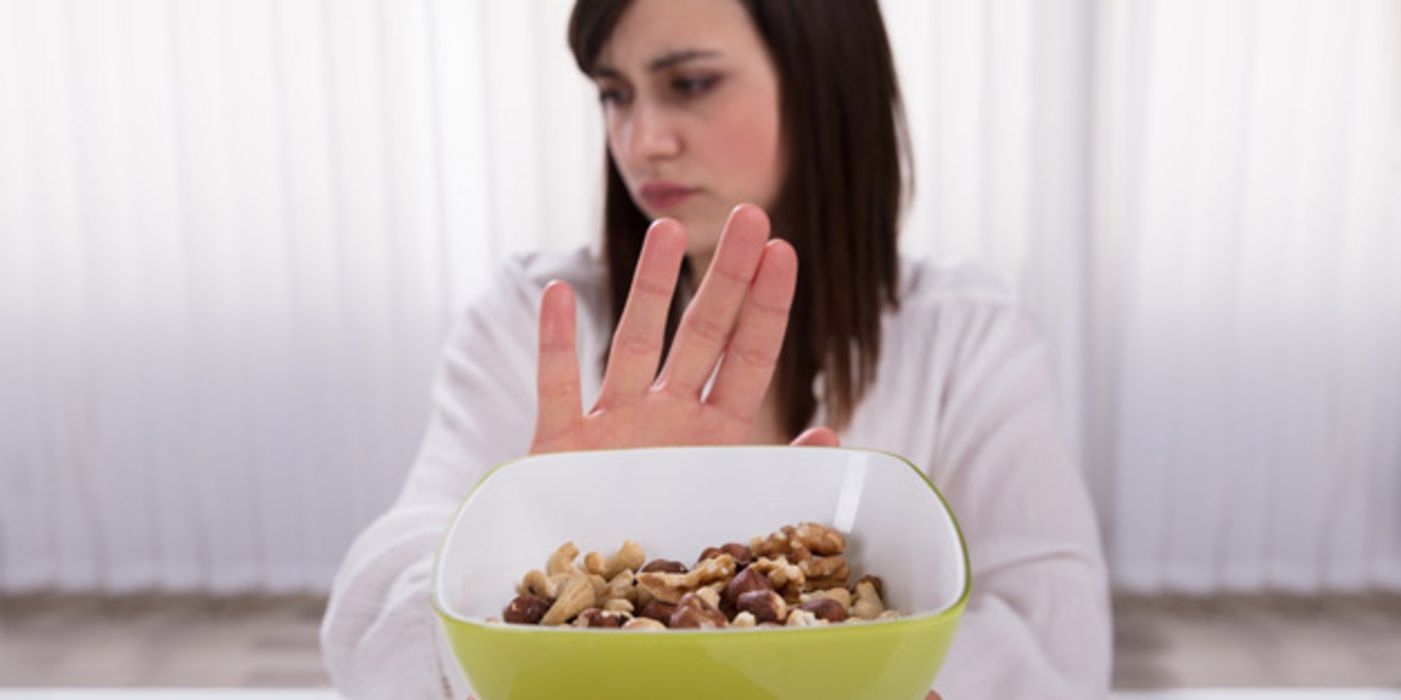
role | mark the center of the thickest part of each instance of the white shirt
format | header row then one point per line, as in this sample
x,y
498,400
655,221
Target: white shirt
x,y
963,389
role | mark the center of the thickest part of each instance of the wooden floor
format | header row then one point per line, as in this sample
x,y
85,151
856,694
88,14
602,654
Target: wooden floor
x,y
264,642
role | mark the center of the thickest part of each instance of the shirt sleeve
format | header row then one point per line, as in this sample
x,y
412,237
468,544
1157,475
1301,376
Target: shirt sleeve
x,y
380,637
1037,621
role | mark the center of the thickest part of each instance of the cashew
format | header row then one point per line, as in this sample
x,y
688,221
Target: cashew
x,y
536,583
623,586
868,605
630,556
562,561
644,624
618,605
576,597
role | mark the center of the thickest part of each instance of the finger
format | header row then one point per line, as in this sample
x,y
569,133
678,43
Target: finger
x,y
637,344
753,351
557,375
709,320
818,437
932,696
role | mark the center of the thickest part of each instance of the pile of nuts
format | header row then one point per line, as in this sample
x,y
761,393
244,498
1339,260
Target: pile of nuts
x,y
796,576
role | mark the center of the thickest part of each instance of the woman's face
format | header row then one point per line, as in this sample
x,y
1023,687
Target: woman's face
x,y
690,100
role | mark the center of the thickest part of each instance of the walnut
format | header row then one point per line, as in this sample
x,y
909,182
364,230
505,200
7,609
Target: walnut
x,y
669,588
786,578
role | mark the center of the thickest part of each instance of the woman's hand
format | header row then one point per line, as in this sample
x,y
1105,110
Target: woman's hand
x,y
740,312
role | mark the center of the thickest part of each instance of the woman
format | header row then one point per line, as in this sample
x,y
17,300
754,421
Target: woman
x,y
792,107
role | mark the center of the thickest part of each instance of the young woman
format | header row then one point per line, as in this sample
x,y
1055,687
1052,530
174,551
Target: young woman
x,y
749,290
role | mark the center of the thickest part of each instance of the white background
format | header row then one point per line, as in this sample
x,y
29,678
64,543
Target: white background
x,y
233,233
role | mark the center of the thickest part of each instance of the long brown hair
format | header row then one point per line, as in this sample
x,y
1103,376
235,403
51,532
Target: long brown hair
x,y
843,131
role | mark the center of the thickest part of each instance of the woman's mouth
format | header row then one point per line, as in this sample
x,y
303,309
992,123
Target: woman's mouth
x,y
665,195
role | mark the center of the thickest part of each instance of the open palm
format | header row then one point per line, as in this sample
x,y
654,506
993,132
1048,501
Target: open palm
x,y
739,315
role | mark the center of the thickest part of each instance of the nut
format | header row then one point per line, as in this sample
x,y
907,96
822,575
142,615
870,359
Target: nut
x,y
710,596
764,606
670,588
820,539
750,579
802,618
576,597
744,619
693,612
786,578
825,609
562,561
600,586
630,556
741,553
657,610
665,566
593,617
875,581
623,586
841,595
526,610
536,583
868,605
644,624
618,605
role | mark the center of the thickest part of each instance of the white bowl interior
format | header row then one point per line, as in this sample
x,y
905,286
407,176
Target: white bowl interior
x,y
676,501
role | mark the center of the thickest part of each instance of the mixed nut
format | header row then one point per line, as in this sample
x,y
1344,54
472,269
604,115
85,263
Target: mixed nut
x,y
796,576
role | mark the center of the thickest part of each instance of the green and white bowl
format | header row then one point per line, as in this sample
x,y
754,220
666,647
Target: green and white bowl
x,y
676,501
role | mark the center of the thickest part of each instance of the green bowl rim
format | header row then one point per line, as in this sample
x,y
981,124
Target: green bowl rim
x,y
505,628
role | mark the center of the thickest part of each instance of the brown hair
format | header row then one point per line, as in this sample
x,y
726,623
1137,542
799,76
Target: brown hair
x,y
843,130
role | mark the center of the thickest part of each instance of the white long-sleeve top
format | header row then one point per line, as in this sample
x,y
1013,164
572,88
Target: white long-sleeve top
x,y
963,389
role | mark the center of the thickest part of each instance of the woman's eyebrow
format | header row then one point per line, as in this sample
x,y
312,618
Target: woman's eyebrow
x,y
666,60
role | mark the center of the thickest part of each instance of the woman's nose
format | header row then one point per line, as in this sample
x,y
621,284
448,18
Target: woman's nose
x,y
653,135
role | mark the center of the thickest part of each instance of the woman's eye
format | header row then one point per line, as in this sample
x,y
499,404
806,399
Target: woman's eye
x,y
693,86
607,95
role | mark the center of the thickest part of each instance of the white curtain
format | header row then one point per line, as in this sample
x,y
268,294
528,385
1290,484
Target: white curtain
x,y
233,233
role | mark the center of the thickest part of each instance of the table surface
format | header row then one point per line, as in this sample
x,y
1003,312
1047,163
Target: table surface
x,y
327,694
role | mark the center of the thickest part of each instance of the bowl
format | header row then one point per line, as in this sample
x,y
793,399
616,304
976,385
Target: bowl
x,y
676,501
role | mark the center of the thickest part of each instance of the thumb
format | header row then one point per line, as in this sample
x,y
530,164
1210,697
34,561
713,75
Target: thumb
x,y
817,437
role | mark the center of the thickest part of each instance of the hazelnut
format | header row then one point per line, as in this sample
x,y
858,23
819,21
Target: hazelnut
x,y
593,617
526,610
657,610
751,579
741,553
825,609
665,566
693,612
765,606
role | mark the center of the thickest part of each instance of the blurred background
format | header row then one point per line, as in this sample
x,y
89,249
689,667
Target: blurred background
x,y
233,234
